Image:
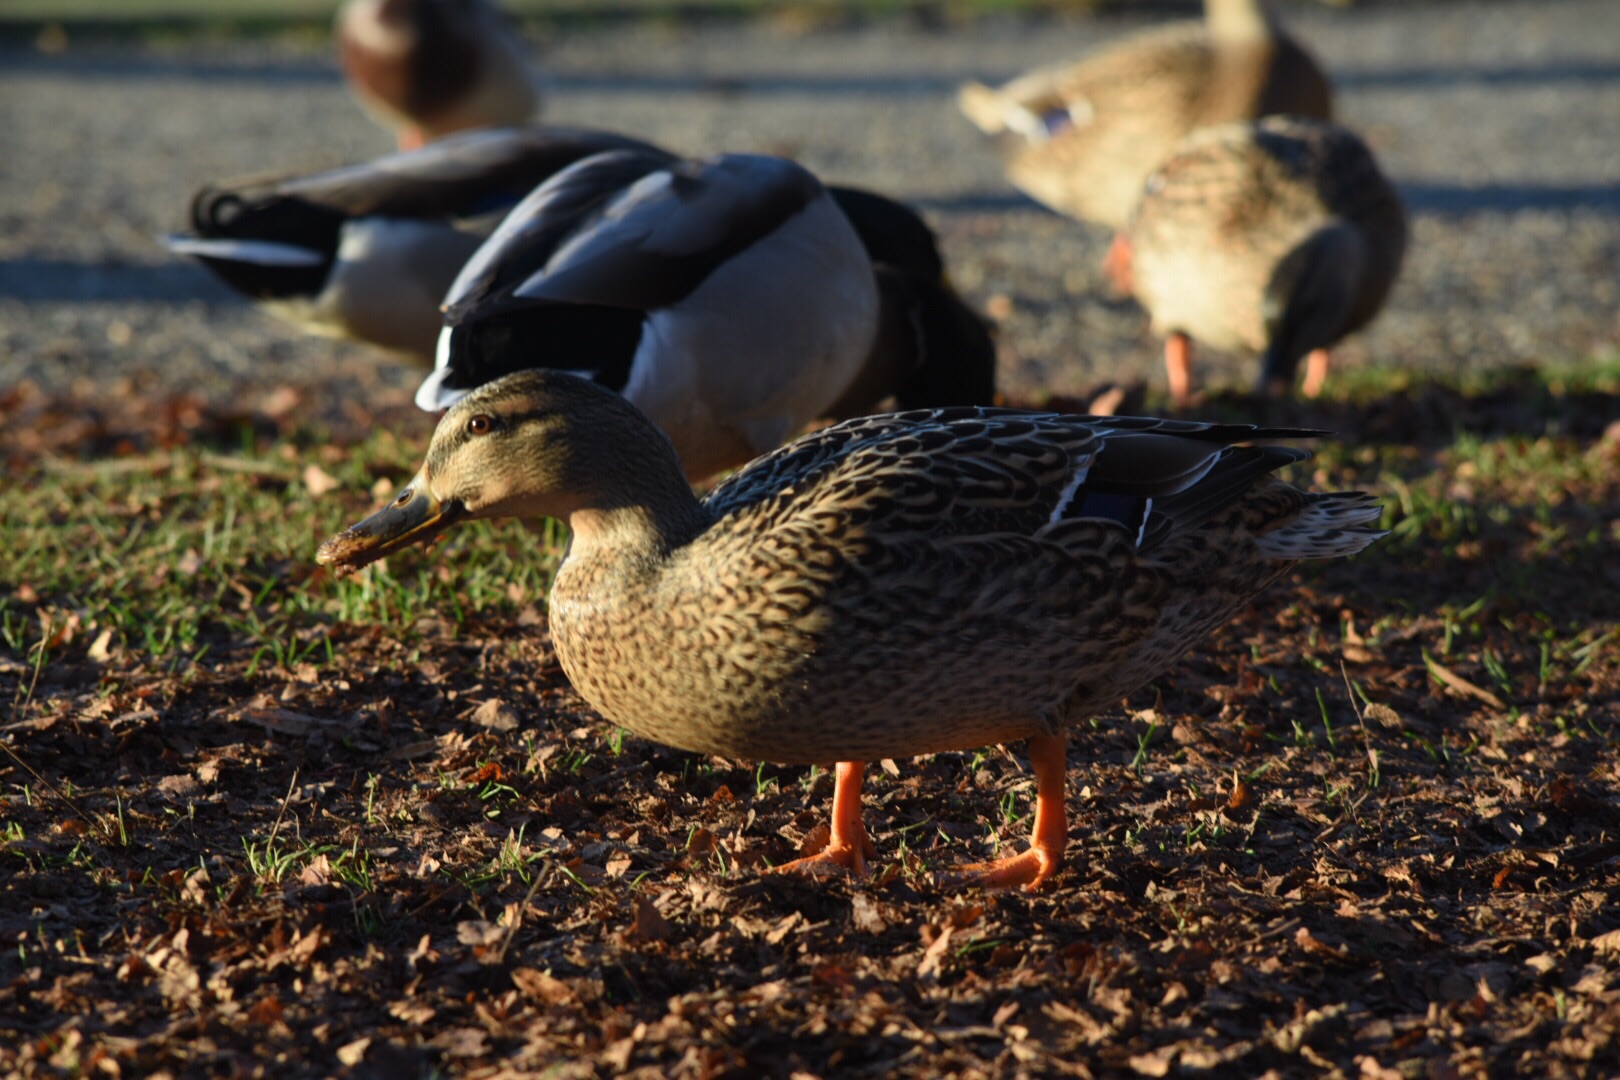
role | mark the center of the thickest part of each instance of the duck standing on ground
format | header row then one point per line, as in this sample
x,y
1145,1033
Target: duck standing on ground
x,y
429,68
886,587
1279,237
730,298
1081,137
366,252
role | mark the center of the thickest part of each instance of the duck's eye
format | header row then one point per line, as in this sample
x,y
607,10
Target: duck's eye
x,y
480,425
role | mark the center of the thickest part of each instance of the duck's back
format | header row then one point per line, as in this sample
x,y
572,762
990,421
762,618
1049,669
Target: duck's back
x,y
1230,206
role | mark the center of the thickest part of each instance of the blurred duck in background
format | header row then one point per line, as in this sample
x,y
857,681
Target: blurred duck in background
x,y
733,299
1279,237
1081,137
425,69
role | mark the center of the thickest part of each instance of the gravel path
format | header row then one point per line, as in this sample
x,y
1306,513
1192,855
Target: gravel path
x,y
1500,121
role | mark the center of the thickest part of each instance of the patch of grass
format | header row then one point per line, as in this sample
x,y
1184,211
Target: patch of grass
x,y
191,558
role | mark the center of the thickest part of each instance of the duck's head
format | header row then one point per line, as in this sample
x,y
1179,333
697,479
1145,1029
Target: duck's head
x,y
534,444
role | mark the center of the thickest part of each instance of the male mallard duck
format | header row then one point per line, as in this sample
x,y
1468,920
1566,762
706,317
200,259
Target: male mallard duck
x,y
1081,137
1279,237
429,68
886,587
730,298
367,252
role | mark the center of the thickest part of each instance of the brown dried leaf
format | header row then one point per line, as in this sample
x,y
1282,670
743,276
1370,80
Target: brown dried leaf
x,y
320,482
266,1011
478,932
648,924
496,715
352,1054
539,986
934,955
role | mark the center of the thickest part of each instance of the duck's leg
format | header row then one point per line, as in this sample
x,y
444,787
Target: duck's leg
x,y
1047,754
849,847
412,137
1117,265
1316,372
1178,367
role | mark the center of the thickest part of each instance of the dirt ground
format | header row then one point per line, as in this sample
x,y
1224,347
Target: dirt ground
x,y
1371,828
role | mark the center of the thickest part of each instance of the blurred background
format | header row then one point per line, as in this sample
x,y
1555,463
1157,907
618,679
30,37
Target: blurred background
x,y
1499,122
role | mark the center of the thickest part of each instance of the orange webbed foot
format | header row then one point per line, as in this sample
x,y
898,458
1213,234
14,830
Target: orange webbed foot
x,y
1029,869
848,846
1033,868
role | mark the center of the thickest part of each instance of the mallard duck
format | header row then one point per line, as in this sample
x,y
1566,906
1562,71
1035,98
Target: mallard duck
x,y
730,298
1278,237
366,252
1081,137
886,587
429,68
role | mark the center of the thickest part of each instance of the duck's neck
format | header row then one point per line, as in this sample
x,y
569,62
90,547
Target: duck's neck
x,y
641,525
1239,21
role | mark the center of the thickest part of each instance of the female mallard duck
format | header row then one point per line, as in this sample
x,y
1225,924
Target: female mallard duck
x,y
367,252
1278,237
887,587
429,68
1081,137
730,298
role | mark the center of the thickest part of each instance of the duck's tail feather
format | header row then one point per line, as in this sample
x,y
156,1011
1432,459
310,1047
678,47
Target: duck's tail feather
x,y
254,252
956,354
1331,525
984,106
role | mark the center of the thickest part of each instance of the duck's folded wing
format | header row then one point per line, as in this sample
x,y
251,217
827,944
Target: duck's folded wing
x,y
524,246
658,240
985,472
460,176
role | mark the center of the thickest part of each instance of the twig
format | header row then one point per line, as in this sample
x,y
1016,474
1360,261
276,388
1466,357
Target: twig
x,y
276,826
1374,773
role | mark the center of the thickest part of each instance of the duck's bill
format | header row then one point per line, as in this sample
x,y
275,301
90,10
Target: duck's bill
x,y
415,517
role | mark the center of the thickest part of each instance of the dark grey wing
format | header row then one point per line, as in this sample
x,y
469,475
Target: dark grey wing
x,y
464,175
524,245
658,240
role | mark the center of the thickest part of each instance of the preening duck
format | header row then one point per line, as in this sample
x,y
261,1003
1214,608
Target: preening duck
x,y
1279,238
1081,137
366,252
731,298
429,68
890,586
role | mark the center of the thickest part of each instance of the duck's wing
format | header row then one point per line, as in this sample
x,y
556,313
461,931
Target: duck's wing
x,y
892,233
460,176
278,236
591,252
979,473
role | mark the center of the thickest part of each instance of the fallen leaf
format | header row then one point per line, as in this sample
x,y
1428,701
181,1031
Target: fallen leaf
x,y
648,924
864,915
935,953
478,932
495,715
319,481
354,1053
99,651
542,987
266,1011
